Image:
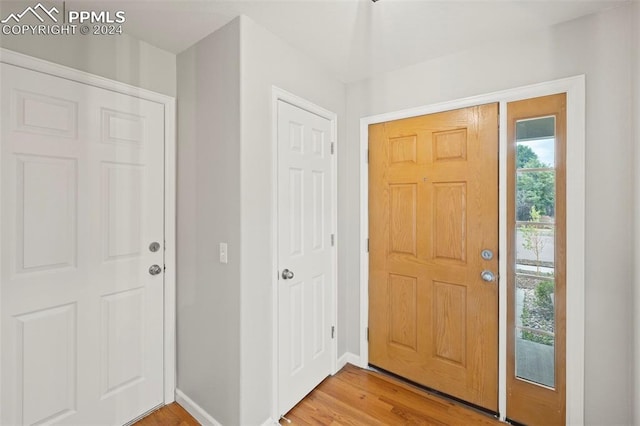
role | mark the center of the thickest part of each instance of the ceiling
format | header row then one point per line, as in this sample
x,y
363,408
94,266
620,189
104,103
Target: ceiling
x,y
353,39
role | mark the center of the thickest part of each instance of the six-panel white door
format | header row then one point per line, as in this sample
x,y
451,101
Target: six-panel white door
x,y
81,201
304,251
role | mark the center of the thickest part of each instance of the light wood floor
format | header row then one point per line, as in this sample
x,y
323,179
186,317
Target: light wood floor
x,y
361,397
358,397
169,415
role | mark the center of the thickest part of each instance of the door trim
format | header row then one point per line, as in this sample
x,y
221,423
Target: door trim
x,y
20,60
575,89
278,94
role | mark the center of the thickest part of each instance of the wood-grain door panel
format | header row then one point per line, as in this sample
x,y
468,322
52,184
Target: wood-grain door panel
x,y
433,206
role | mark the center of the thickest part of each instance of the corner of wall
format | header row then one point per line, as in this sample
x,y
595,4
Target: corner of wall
x,y
195,410
635,119
348,358
209,214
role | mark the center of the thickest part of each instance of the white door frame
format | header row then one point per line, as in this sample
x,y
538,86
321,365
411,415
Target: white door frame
x,y
278,94
169,103
575,90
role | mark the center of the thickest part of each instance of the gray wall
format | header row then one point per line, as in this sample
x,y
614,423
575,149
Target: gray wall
x,y
636,121
600,47
122,58
224,194
209,213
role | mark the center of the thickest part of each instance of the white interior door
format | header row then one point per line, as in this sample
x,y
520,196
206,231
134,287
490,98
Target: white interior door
x,y
81,201
305,253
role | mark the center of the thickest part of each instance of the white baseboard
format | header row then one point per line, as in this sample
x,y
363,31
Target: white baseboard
x,y
195,410
348,358
270,422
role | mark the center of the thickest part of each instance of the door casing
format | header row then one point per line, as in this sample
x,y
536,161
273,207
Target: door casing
x,y
574,87
277,95
31,63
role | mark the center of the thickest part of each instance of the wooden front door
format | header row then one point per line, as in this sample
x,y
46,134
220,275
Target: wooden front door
x,y
433,206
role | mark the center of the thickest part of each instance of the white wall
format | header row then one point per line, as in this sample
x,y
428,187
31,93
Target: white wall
x,y
600,47
209,213
636,121
266,61
122,57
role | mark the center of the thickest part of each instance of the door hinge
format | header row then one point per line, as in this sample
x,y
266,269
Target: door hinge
x,y
367,156
367,245
367,334
333,331
333,145
333,240
164,268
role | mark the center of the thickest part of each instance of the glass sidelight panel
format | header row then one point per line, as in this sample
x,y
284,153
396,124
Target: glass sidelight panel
x,y
535,205
536,266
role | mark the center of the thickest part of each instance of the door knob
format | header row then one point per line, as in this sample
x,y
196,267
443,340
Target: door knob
x,y
488,276
155,269
287,274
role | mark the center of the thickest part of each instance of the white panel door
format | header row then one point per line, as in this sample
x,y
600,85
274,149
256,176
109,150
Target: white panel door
x,y
305,251
81,200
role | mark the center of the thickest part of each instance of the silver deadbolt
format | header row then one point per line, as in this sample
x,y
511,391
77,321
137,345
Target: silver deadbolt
x,y
488,276
287,274
487,254
154,247
155,269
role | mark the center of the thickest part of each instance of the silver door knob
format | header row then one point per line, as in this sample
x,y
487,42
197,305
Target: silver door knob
x,y
287,274
488,276
155,269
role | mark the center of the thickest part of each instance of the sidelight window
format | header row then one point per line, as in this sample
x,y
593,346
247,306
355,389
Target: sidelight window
x,y
535,250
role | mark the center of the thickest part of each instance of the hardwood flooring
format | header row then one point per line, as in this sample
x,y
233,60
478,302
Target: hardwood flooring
x,y
357,397
169,415
361,397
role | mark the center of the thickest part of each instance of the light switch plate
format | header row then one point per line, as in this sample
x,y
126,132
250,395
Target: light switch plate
x,y
223,253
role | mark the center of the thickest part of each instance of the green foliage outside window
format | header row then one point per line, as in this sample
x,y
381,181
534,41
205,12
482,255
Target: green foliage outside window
x,y
535,189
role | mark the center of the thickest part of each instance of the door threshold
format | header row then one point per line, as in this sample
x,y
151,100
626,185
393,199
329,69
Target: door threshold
x,y
434,392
